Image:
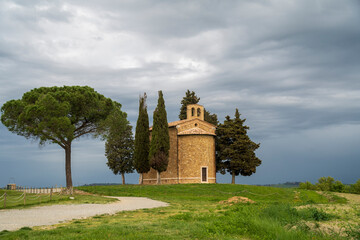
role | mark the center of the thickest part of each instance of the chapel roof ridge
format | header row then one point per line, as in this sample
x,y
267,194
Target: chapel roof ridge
x,y
178,122
196,131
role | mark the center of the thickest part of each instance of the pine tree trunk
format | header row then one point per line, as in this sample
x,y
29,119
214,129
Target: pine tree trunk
x,y
123,178
69,184
233,178
141,178
158,181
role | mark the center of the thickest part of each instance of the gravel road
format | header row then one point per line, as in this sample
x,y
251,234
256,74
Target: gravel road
x,y
14,219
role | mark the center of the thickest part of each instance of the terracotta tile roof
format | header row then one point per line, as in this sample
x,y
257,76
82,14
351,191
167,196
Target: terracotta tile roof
x,y
195,130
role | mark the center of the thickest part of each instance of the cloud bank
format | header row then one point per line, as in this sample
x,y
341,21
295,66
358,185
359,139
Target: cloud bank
x,y
291,67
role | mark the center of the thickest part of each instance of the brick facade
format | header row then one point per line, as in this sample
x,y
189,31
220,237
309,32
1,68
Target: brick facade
x,y
192,151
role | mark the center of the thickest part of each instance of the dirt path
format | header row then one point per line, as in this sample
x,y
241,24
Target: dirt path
x,y
14,219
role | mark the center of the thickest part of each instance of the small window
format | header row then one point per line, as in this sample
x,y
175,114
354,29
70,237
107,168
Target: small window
x,y
196,124
204,174
198,112
192,112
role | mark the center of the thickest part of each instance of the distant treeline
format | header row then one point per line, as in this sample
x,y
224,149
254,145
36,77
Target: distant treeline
x,y
329,184
283,185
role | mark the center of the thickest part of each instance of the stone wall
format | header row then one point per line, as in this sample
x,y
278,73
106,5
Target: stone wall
x,y
195,152
187,155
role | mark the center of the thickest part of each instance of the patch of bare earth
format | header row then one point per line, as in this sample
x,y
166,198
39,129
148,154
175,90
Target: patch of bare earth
x,y
237,199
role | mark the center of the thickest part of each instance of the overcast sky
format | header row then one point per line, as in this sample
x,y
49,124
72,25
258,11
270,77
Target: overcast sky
x,y
292,68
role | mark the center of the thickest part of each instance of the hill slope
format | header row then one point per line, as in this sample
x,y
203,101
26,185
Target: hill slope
x,y
200,211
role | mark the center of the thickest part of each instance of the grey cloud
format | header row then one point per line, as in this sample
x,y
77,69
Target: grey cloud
x,y
289,66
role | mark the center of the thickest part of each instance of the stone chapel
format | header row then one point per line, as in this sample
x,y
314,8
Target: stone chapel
x,y
192,151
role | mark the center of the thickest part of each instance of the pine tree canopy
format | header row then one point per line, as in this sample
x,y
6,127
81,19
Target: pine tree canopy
x,y
59,115
210,118
160,140
142,138
191,98
235,150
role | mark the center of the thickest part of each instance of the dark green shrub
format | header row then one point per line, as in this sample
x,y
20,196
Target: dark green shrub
x,y
325,183
355,188
338,187
307,185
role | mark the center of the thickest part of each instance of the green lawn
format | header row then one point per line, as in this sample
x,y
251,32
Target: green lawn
x,y
195,213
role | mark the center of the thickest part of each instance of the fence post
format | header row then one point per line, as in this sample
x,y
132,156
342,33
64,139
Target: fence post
x,y
24,198
51,190
5,200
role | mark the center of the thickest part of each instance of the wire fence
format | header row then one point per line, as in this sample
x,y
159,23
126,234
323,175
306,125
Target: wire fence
x,y
25,195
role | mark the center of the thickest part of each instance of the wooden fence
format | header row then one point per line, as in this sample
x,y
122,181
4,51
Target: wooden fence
x,y
40,190
31,195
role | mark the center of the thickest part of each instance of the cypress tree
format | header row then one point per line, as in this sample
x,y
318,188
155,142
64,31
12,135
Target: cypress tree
x,y
142,140
235,150
160,141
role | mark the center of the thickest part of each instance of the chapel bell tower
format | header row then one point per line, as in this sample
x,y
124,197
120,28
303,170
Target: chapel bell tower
x,y
194,111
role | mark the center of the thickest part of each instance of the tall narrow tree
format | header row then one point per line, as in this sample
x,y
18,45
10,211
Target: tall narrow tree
x,y
142,140
119,146
160,141
235,150
58,115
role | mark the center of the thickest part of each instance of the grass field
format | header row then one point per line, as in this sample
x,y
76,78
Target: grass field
x,y
195,212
